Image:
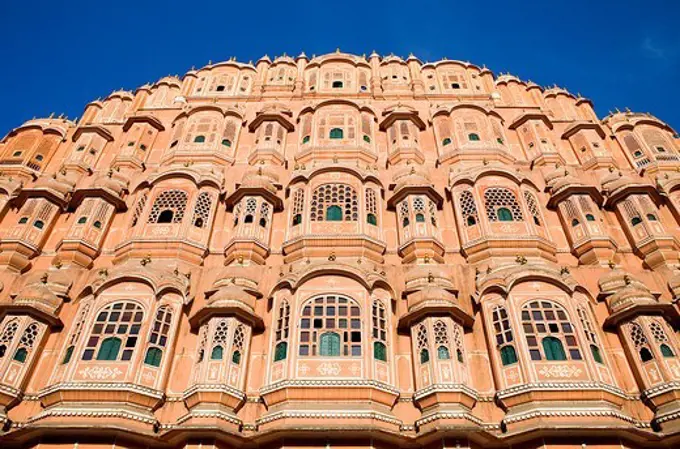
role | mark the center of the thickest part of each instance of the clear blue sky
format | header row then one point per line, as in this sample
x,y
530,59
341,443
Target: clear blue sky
x,y
57,56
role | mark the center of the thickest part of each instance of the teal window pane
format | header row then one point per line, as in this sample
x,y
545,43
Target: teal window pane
x,y
329,344
217,353
553,349
153,357
334,213
443,353
380,351
109,349
336,133
508,355
504,214
281,351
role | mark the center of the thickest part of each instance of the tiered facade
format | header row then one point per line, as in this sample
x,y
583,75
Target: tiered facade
x,y
340,252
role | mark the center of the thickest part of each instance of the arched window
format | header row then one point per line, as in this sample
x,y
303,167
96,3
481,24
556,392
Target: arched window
x,y
657,329
640,342
468,208
501,205
590,217
553,349
330,314
420,218
371,207
23,220
122,319
251,209
217,353
282,332
20,355
109,349
336,133
298,206
341,198
7,336
202,210
280,351
82,220
379,331
405,222
446,141
165,216
199,139
379,351
39,224
441,340
504,336
158,337
329,344
239,342
575,222
169,207
504,214
473,137
139,208
28,339
264,214
635,221
334,213
548,322
651,217
508,355
226,143
532,204
75,333
219,340
591,335
337,84
305,139
423,344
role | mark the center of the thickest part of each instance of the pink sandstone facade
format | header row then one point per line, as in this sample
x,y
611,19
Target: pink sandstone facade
x,y
340,252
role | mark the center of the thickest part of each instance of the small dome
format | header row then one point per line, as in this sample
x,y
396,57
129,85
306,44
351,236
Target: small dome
x,y
560,178
411,177
229,295
261,178
616,180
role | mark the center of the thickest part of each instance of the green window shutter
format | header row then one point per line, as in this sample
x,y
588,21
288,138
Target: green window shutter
x,y
20,355
504,214
334,213
553,349
153,357
380,351
370,218
666,351
236,357
281,351
330,344
337,133
596,353
443,353
68,355
508,355
424,356
420,218
109,349
217,352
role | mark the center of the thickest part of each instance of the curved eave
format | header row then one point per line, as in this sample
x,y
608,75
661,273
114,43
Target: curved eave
x,y
581,125
256,191
271,117
151,120
402,115
566,192
60,200
308,175
242,313
436,309
644,121
100,130
669,311
402,193
97,192
51,319
518,121
631,189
